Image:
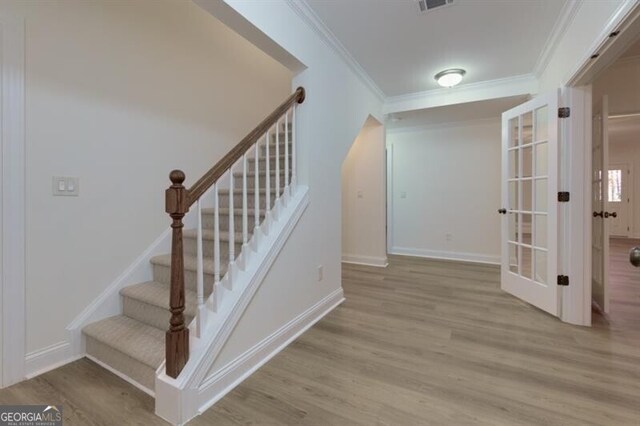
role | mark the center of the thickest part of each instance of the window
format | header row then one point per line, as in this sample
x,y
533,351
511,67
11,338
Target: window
x,y
615,186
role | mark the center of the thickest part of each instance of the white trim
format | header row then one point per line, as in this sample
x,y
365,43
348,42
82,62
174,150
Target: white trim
x,y
576,298
13,229
309,17
121,375
447,255
389,194
380,262
568,12
448,125
109,302
526,84
231,375
49,358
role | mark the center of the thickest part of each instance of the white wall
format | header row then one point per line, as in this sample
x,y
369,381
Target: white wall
x,y
364,237
624,148
118,94
337,105
621,83
445,191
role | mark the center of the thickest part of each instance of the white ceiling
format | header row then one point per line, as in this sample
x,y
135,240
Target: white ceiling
x,y
402,51
454,113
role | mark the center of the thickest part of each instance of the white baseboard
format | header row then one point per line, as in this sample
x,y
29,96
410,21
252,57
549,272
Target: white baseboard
x,y
228,377
49,358
380,262
447,255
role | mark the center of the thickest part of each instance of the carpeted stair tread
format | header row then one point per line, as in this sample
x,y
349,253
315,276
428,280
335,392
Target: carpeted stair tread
x,y
237,212
191,263
208,234
158,294
133,338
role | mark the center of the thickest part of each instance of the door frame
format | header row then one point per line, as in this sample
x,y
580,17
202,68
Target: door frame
x,y
12,201
575,257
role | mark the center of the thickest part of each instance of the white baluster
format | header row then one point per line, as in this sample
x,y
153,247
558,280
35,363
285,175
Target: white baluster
x,y
232,229
216,243
200,273
286,157
268,184
256,195
277,165
294,160
245,210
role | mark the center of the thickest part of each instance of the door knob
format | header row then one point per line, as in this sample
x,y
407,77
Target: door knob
x,y
596,214
634,256
502,211
614,214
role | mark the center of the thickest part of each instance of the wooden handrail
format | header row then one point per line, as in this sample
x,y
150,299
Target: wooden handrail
x,y
178,200
205,182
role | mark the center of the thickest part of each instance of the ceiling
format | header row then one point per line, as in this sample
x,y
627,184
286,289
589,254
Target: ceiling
x,y
402,50
454,113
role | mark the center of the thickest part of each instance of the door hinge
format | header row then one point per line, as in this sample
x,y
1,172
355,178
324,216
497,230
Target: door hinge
x,y
563,280
563,197
564,112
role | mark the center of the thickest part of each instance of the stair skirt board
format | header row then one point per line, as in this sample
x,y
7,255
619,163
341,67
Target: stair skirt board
x,y
216,386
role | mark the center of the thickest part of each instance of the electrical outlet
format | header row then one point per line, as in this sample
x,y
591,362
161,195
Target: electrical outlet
x,y
448,237
403,194
360,194
66,186
320,272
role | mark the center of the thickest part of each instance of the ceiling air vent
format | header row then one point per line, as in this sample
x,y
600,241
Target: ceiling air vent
x,y
425,6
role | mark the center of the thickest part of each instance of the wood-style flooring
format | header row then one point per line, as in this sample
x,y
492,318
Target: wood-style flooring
x,y
422,342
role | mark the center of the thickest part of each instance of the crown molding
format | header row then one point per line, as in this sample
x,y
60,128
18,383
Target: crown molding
x,y
568,12
313,21
525,84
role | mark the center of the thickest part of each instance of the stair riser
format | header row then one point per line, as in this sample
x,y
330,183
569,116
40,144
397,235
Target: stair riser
x,y
237,200
190,247
126,365
208,220
262,164
149,314
272,149
162,274
262,182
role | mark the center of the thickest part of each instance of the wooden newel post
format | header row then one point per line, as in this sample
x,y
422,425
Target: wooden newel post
x,y
177,341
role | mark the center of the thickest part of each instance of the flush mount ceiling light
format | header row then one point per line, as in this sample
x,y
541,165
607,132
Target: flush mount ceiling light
x,y
449,78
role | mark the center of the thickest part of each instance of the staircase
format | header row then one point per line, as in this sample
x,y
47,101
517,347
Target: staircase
x,y
259,175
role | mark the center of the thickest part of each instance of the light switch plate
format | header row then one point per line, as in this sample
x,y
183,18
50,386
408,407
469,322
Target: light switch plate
x,y
66,186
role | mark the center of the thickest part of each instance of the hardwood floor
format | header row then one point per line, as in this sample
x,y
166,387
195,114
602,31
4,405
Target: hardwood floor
x,y
421,342
624,282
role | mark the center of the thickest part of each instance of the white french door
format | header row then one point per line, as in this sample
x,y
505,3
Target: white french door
x,y
530,205
599,204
